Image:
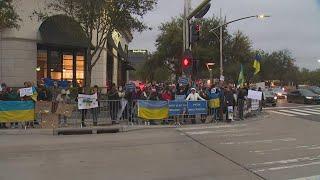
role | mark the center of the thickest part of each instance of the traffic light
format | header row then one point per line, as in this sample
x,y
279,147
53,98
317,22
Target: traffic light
x,y
195,33
186,62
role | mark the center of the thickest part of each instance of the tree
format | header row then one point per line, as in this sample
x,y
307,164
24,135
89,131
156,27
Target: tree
x,y
8,16
99,19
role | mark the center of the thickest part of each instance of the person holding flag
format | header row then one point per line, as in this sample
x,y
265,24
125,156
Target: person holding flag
x,y
256,64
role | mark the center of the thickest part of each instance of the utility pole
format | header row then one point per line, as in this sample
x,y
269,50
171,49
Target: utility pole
x,y
186,25
221,50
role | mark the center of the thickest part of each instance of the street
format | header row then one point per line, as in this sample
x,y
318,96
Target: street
x,y
270,146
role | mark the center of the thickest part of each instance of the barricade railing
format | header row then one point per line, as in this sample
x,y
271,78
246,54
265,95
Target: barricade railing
x,y
126,112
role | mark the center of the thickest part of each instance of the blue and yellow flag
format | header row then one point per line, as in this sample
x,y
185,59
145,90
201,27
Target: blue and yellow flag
x,y
241,79
256,64
153,110
16,111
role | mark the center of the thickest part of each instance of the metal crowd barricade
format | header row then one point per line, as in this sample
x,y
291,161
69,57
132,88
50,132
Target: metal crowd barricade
x,y
126,113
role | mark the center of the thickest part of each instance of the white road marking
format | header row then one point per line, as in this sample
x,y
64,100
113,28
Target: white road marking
x,y
286,114
293,112
260,141
311,147
306,111
288,167
288,107
215,131
315,110
317,177
287,161
211,127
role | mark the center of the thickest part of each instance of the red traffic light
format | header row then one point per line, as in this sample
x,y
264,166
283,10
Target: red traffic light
x,y
186,62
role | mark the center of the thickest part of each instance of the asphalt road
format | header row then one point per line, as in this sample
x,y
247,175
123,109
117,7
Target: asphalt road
x,y
272,146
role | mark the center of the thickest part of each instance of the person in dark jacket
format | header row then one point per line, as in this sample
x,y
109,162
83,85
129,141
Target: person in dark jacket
x,y
230,101
114,104
240,101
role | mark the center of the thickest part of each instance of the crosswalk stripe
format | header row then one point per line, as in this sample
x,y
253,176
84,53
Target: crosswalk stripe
x,y
293,112
315,110
306,111
286,114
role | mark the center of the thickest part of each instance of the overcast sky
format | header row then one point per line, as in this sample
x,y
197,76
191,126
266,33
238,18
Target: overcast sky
x,y
294,25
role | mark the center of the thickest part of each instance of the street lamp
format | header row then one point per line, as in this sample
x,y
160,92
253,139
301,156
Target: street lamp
x,y
260,16
318,60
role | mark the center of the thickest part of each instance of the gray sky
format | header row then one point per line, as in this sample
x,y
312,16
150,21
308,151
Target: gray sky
x,y
294,25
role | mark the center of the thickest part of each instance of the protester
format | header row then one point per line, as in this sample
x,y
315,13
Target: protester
x,y
54,91
95,111
63,98
240,102
166,95
113,102
194,96
214,95
230,101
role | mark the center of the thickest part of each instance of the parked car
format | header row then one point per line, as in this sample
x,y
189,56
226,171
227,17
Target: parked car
x,y
270,99
303,96
280,92
315,89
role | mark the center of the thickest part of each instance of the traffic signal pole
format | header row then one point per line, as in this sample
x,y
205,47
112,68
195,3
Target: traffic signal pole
x,y
188,15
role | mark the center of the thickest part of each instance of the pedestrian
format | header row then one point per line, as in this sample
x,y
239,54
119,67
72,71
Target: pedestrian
x,y
81,90
113,99
240,102
230,101
63,98
214,102
95,111
54,92
194,96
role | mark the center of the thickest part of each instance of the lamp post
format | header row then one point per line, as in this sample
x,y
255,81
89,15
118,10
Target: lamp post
x,y
261,16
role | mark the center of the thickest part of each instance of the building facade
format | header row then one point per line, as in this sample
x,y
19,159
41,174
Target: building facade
x,y
56,48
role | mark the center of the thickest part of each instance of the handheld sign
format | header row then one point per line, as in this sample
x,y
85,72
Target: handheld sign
x,y
26,92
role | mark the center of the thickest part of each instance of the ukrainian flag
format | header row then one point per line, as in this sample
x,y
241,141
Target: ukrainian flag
x,y
153,110
256,64
16,111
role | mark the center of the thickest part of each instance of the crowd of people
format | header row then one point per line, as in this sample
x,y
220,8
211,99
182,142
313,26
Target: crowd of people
x,y
223,99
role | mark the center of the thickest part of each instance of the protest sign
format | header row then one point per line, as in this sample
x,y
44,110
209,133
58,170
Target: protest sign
x,y
177,107
43,107
254,105
26,92
184,81
130,87
87,101
197,107
257,95
65,109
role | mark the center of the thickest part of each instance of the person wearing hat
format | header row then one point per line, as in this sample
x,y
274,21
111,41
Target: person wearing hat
x,y
194,96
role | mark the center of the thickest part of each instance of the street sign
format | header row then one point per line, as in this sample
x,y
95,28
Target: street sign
x,y
184,81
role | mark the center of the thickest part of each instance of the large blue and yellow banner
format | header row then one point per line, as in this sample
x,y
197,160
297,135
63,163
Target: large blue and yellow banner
x,y
16,111
153,110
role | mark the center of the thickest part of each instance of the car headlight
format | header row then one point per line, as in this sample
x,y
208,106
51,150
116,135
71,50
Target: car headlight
x,y
309,97
275,98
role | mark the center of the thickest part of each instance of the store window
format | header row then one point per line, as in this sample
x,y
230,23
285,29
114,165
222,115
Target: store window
x,y
42,70
67,71
60,65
